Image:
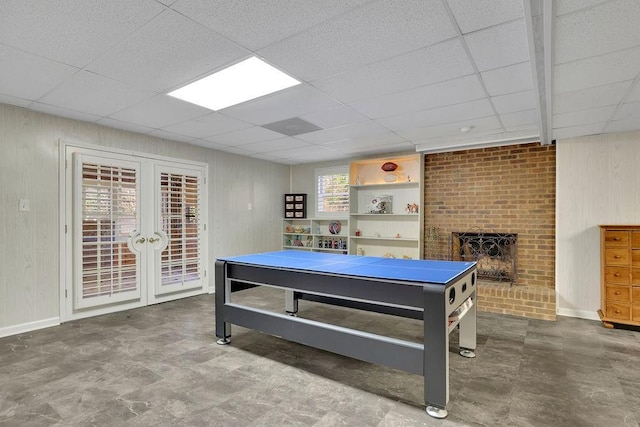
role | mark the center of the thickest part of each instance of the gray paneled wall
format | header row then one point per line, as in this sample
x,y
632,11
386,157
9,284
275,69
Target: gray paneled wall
x,y
29,241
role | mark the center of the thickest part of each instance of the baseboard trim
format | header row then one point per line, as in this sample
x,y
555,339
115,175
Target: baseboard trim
x,y
581,314
29,326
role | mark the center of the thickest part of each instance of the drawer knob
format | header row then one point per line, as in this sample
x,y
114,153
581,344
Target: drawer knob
x,y
617,311
617,256
617,274
616,239
617,292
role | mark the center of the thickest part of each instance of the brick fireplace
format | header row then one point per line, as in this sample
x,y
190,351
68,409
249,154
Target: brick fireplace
x,y
500,190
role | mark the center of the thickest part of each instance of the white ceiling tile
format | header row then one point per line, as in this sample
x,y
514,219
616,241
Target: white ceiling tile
x,y
513,102
601,29
166,53
423,98
244,136
442,115
634,96
597,71
72,31
583,117
334,117
520,119
355,130
478,127
12,100
286,143
375,31
621,126
514,78
374,143
208,144
474,15
239,151
94,94
568,6
288,103
159,112
128,126
440,62
575,131
590,98
208,125
27,76
259,24
158,133
629,111
499,46
313,153
63,112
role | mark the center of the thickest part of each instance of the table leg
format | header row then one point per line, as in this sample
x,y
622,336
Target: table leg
x,y
223,292
290,302
468,330
436,353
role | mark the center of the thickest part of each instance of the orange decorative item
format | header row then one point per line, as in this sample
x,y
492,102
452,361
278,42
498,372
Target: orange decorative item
x,y
389,167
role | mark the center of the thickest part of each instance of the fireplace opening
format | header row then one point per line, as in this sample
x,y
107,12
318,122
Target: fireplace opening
x,y
495,253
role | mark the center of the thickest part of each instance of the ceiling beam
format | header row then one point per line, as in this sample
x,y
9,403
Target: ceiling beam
x,y
538,18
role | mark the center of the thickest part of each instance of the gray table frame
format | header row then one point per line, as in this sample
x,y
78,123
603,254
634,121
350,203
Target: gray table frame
x,y
435,301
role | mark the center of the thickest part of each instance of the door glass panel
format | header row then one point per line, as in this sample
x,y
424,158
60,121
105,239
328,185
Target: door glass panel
x,y
108,211
180,217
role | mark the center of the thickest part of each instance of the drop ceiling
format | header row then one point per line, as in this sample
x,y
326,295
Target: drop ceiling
x,y
377,76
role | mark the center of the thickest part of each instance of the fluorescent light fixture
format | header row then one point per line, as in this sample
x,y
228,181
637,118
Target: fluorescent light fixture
x,y
246,80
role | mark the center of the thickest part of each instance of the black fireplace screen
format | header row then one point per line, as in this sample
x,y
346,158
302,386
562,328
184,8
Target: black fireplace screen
x,y
495,253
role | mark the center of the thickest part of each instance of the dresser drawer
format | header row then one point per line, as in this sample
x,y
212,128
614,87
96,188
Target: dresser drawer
x,y
635,276
635,257
618,294
635,239
616,256
635,304
619,311
613,238
618,275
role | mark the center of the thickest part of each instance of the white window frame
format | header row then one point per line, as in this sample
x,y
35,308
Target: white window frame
x,y
335,170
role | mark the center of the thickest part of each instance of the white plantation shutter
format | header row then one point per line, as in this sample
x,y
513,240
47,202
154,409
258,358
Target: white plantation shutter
x,y
332,193
180,221
106,202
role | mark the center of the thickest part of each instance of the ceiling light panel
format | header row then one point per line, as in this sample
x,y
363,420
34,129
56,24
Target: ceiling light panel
x,y
246,80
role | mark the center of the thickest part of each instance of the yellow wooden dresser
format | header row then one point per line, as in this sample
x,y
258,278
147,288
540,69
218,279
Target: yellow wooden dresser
x,y
619,275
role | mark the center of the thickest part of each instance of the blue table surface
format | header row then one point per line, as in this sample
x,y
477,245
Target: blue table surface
x,y
423,271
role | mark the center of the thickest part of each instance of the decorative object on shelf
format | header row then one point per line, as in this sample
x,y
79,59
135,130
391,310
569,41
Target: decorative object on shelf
x,y
398,236
295,205
381,205
335,227
360,251
358,180
357,232
406,257
412,208
390,177
389,167
389,255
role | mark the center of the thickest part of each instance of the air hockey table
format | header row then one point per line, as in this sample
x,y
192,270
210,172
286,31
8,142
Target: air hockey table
x,y
441,293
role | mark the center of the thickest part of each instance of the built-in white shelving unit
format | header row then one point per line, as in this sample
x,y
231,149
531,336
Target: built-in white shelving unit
x,y
398,231
314,234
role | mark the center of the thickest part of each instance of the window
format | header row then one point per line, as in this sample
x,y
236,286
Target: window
x,y
332,191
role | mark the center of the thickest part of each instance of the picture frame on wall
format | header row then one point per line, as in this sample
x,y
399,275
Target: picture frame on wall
x,y
295,205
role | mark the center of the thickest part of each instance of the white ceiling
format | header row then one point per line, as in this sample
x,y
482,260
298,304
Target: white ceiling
x,y
378,75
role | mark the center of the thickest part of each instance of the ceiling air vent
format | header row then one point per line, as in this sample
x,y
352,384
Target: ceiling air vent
x,y
292,127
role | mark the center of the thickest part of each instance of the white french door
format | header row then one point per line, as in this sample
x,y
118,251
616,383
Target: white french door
x,y
134,231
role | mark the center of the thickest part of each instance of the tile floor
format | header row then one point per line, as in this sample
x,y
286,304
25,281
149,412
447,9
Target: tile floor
x,y
159,365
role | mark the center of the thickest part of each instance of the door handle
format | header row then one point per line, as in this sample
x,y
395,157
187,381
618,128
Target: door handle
x,y
153,239
141,240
